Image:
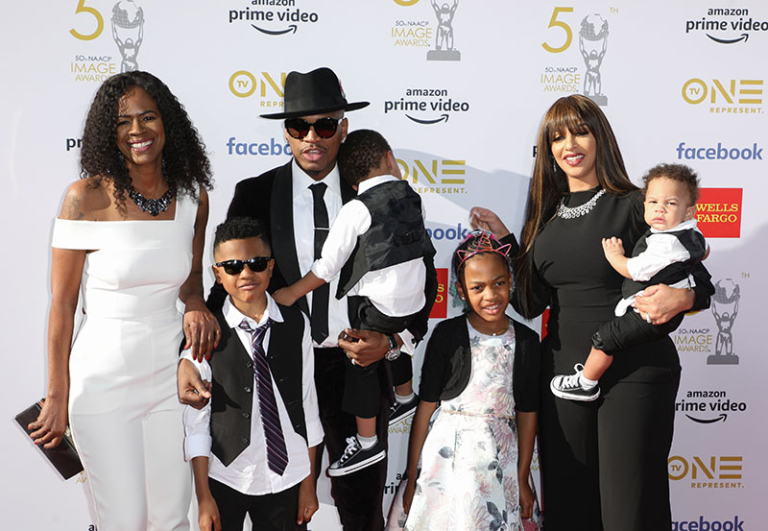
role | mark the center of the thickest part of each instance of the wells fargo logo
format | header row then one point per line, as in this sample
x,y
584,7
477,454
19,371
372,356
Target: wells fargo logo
x,y
268,87
726,96
711,472
718,212
440,308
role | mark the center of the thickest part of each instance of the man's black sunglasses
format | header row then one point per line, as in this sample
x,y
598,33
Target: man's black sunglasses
x,y
299,128
257,264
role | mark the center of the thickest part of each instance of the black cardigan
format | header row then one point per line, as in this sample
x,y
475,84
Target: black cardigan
x,y
447,364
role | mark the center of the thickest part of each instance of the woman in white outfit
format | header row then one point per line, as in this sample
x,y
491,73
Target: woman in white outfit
x,y
131,234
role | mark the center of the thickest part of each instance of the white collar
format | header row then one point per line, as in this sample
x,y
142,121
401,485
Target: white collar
x,y
234,317
685,225
302,181
373,181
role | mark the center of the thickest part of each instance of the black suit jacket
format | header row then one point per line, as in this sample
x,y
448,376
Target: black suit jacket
x,y
269,198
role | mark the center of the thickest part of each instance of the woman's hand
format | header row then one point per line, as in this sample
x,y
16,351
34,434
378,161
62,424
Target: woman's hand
x,y
660,303
526,498
51,423
201,330
484,219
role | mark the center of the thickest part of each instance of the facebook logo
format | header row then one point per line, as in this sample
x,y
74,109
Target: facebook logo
x,y
719,152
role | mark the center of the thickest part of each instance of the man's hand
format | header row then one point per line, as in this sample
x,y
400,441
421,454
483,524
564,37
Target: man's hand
x,y
370,346
308,504
193,391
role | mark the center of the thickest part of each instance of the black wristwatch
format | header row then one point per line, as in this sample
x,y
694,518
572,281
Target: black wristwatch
x,y
394,351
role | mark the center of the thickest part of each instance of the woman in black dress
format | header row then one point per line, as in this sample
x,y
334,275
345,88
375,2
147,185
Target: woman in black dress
x,y
604,463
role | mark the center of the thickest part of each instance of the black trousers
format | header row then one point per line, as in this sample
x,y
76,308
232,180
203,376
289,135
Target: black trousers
x,y
270,512
358,496
361,387
604,463
631,330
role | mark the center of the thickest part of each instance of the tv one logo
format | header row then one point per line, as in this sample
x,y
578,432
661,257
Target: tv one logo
x,y
725,93
445,172
268,87
720,472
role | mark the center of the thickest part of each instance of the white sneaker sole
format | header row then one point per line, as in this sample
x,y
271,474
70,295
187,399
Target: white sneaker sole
x,y
336,472
575,398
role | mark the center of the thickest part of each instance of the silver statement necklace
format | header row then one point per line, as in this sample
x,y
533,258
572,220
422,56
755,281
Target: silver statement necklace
x,y
581,210
152,206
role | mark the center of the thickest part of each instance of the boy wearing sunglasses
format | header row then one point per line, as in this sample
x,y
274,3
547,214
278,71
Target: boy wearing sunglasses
x,y
252,446
376,246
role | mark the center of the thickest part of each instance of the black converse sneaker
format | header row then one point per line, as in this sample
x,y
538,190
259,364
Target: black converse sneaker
x,y
400,411
355,458
569,387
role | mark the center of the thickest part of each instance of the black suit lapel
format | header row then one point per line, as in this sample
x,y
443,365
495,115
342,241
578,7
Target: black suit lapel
x,y
281,221
347,192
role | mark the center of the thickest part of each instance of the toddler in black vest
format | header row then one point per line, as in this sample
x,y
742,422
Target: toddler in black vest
x,y
253,445
377,246
665,254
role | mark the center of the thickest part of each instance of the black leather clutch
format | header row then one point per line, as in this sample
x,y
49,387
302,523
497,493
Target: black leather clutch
x,y
64,457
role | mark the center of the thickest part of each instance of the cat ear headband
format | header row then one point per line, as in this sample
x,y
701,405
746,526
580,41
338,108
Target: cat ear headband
x,y
484,245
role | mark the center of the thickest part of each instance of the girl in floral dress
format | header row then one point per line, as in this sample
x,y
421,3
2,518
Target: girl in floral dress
x,y
482,368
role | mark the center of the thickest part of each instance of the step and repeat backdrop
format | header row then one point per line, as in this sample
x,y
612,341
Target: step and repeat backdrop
x,y
458,87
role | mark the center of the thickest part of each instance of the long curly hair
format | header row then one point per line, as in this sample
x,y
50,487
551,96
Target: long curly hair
x,y
185,164
549,183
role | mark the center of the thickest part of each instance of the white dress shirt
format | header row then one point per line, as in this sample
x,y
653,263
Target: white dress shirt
x,y
663,249
304,236
249,473
396,290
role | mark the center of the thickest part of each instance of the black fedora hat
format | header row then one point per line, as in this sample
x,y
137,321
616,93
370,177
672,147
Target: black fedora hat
x,y
316,92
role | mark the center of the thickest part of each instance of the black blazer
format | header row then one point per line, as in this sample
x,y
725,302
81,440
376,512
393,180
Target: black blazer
x,y
269,198
448,363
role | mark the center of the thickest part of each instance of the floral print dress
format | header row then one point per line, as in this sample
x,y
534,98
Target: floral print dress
x,y
468,477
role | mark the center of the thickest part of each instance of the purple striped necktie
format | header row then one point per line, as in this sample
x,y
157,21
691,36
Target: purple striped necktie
x,y
277,455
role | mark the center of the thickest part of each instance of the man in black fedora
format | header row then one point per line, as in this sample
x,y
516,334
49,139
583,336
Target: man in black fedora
x,y
298,202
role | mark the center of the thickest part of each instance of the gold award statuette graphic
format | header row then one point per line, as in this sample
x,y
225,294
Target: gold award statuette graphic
x,y
593,43
128,32
444,50
725,308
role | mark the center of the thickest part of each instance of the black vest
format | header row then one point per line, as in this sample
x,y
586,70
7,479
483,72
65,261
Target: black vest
x,y
694,243
396,235
234,384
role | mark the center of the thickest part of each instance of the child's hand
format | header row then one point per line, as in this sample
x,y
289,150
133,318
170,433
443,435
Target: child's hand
x,y
208,514
308,504
410,489
283,296
613,247
526,499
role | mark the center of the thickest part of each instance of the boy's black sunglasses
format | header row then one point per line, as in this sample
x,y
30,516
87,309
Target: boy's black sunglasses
x,y
257,264
299,128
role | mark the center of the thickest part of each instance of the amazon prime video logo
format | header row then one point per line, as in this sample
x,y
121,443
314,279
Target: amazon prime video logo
x,y
426,106
273,17
708,407
445,49
128,32
729,25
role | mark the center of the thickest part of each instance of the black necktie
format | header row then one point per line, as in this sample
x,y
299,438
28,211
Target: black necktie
x,y
319,318
277,454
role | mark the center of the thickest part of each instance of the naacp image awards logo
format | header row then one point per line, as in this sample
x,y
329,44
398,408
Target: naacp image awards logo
x,y
444,43
128,32
725,308
593,43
